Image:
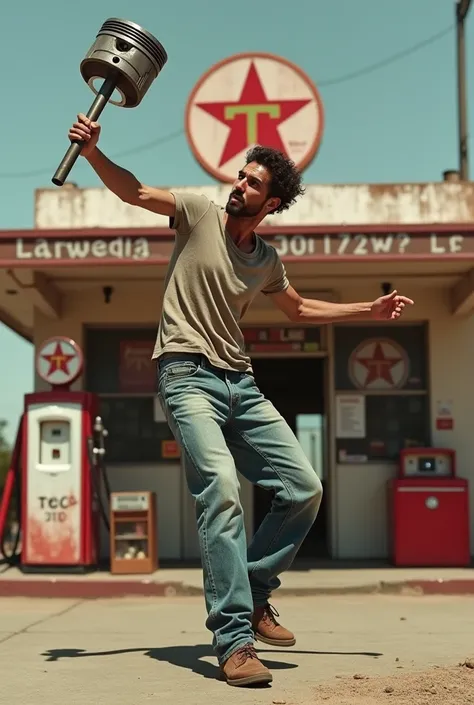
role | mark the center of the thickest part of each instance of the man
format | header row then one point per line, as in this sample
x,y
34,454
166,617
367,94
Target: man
x,y
213,406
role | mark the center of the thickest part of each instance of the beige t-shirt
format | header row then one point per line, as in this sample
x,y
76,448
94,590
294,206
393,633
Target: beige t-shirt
x,y
210,284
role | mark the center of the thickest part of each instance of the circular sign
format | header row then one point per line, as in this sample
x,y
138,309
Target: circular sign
x,y
250,99
379,363
59,361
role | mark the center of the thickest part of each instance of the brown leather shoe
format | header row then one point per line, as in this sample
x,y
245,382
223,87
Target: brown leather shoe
x,y
243,667
268,630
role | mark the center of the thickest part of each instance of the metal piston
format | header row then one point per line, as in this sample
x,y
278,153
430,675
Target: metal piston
x,y
127,59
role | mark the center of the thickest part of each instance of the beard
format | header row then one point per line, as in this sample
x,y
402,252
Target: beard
x,y
237,209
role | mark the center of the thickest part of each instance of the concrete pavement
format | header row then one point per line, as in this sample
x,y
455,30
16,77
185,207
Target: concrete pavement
x,y
148,650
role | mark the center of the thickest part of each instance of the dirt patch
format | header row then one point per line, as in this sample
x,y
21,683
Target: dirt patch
x,y
449,686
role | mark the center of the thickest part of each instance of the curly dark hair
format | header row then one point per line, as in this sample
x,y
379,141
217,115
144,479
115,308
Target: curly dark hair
x,y
285,177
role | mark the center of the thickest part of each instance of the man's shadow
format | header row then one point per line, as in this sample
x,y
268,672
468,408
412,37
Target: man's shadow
x,y
190,657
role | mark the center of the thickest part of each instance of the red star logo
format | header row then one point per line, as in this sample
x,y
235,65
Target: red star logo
x,y
379,366
58,360
253,118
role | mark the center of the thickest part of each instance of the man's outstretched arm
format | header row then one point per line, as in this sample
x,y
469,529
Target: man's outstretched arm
x,y
117,179
307,311
128,188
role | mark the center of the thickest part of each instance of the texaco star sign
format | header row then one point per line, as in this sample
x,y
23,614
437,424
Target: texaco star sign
x,y
379,363
251,99
59,361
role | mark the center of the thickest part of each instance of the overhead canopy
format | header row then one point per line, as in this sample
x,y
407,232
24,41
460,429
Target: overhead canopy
x,y
37,267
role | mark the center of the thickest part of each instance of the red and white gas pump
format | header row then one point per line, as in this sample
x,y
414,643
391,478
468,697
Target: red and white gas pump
x,y
58,463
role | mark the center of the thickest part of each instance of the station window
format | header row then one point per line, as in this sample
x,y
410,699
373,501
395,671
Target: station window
x,y
382,399
120,370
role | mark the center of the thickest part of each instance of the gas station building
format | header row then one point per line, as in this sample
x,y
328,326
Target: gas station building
x,y
93,268
358,396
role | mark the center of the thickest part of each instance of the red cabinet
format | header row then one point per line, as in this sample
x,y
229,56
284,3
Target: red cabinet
x,y
430,522
429,511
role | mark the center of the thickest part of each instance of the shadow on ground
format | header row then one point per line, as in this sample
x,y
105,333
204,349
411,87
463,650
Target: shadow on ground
x,y
189,657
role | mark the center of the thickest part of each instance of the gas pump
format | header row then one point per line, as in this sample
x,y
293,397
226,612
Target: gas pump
x,y
58,468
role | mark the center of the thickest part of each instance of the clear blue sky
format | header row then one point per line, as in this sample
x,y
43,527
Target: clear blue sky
x,y
397,123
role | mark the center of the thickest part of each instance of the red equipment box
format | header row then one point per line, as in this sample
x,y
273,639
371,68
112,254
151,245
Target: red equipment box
x,y
429,510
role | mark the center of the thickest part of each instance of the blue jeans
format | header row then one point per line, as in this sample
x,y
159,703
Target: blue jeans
x,y
223,422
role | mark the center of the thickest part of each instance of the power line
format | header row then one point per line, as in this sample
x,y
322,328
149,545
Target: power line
x,y
118,155
389,60
148,145
325,83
